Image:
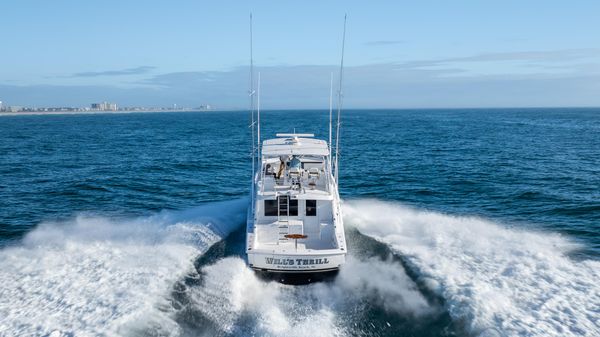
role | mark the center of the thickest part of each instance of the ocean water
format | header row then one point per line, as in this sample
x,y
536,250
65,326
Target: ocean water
x,y
479,222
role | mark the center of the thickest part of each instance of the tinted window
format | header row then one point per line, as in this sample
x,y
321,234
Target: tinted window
x,y
270,207
311,208
293,207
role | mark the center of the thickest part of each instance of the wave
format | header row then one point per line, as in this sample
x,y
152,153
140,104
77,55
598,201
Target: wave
x,y
495,280
233,301
98,276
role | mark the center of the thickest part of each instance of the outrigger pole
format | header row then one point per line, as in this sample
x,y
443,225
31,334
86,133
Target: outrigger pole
x,y
330,113
252,123
258,147
339,107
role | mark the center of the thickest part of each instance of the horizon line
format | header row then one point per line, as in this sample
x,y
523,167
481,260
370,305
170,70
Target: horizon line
x,y
94,112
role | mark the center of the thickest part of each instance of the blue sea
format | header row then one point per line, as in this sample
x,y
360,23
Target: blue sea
x,y
460,222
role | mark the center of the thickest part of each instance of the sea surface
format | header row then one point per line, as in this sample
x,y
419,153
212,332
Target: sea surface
x,y
476,222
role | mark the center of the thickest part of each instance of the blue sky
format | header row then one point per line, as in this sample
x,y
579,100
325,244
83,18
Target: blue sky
x,y
399,54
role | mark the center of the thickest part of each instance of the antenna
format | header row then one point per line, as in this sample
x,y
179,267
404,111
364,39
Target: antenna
x,y
330,112
339,108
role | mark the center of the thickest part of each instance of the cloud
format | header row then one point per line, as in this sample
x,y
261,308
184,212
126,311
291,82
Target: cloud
x,y
538,79
383,42
170,79
128,71
538,56
369,86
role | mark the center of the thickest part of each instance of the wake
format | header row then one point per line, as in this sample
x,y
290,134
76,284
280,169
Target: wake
x,y
96,276
495,280
232,300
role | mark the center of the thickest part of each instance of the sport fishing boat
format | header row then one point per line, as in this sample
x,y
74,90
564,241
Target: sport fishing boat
x,y
294,224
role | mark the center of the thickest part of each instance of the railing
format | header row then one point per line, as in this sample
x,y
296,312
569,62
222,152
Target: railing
x,y
262,178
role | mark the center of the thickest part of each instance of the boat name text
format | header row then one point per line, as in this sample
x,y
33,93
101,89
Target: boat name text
x,y
298,262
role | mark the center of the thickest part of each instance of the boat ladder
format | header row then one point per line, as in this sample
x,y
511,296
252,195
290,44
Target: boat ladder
x,y
282,222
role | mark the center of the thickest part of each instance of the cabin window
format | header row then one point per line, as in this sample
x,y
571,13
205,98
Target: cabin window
x,y
282,206
270,207
293,207
311,208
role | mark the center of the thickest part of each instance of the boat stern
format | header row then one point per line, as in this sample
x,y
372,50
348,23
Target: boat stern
x,y
295,263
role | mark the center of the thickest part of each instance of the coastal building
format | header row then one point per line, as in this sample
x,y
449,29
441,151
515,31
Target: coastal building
x,y
204,107
104,106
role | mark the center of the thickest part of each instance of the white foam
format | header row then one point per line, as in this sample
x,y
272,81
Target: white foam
x,y
386,282
497,280
232,290
232,294
96,276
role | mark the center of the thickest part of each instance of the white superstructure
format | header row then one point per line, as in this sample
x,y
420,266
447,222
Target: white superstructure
x,y
295,223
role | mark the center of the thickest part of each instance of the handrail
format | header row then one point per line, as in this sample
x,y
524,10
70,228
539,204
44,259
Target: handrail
x,y
262,178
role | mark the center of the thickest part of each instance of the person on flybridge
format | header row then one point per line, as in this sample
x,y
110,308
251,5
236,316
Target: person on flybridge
x,y
295,162
282,164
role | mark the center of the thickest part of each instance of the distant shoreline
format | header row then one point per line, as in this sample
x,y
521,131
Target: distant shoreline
x,y
94,112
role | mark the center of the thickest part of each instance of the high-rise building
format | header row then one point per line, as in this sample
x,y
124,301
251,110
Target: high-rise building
x,y
97,106
104,106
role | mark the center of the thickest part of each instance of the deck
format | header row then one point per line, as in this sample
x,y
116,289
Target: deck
x,y
271,236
